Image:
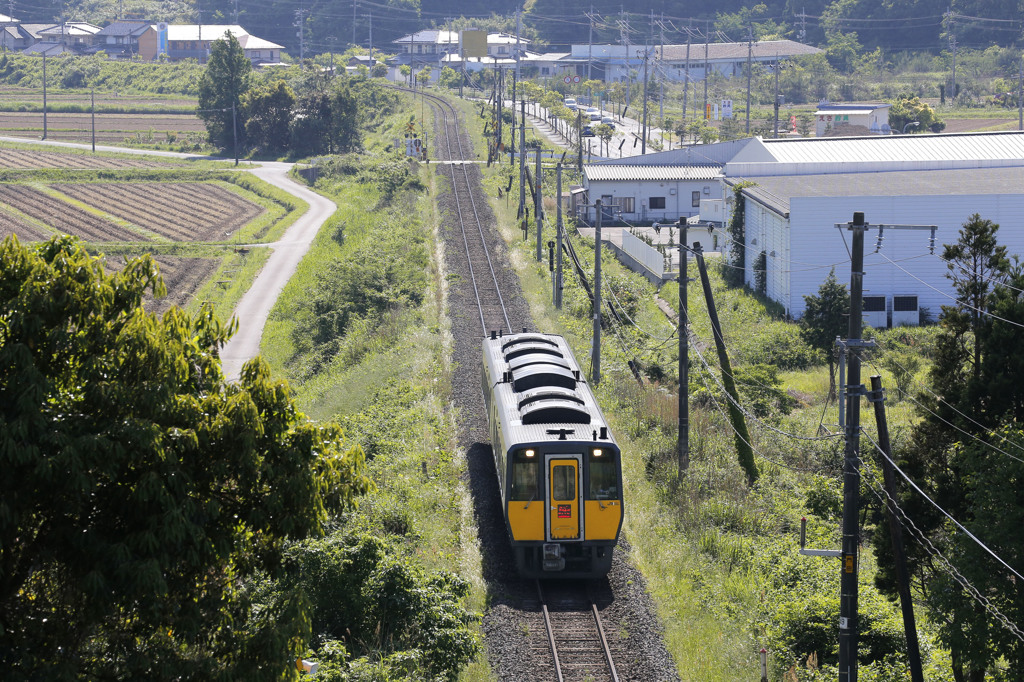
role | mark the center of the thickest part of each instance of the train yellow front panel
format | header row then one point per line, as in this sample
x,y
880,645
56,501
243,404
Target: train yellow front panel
x,y
602,519
526,519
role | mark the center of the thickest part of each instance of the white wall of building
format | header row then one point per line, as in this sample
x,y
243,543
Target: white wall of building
x,y
813,245
678,196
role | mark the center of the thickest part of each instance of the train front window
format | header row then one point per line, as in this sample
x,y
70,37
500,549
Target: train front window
x,y
563,481
525,472
604,476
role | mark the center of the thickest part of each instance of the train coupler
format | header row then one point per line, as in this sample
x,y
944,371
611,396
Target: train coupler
x,y
554,557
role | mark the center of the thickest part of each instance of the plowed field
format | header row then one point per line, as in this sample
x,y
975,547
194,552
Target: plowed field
x,y
182,277
26,159
182,211
109,127
61,216
11,224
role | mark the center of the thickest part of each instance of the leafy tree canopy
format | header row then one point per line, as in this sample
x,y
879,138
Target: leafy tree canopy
x,y
227,77
910,109
141,491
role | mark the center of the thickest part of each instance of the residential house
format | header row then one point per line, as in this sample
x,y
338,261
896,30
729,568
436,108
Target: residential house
x,y
193,41
120,39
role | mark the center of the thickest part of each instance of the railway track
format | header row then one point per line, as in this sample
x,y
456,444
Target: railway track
x,y
576,638
452,152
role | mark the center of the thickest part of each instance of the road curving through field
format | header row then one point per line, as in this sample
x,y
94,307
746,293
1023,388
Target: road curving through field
x,y
254,308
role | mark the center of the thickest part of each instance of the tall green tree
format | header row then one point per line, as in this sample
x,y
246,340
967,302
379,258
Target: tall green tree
x,y
267,112
141,491
948,456
227,77
826,316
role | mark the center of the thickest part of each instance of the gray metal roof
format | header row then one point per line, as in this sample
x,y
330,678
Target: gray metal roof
x,y
662,173
951,147
763,49
775,192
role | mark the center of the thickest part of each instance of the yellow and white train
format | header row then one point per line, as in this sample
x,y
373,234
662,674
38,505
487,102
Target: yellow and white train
x,y
559,468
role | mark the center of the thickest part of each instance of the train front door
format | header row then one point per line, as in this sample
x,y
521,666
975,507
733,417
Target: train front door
x,y
563,497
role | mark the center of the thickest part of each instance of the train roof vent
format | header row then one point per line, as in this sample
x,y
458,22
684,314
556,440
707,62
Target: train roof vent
x,y
535,376
526,348
537,359
547,393
527,338
554,412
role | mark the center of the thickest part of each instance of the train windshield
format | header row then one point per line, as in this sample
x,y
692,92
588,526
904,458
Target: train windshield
x,y
525,472
604,477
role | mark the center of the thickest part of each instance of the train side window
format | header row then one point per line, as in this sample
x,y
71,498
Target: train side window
x,y
604,478
525,473
563,483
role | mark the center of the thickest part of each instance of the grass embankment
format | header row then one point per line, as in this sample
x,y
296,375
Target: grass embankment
x,y
362,334
720,557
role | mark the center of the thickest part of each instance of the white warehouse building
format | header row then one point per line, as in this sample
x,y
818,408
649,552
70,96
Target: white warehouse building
x,y
802,188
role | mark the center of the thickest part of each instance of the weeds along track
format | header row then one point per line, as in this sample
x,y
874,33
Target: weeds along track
x,y
483,294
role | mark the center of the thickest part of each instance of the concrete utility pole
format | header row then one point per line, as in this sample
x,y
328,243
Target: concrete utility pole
x,y
1020,96
707,38
558,237
538,209
686,79
777,67
590,44
595,354
643,128
522,166
684,352
750,52
92,112
44,95
848,631
355,6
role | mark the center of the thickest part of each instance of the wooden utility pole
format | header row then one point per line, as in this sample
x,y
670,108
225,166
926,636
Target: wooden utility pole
x,y
595,353
877,396
684,353
522,169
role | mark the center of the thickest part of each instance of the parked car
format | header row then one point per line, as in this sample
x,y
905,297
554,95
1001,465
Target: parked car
x,y
587,131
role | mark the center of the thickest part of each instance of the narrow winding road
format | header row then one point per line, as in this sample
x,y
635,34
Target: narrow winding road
x,y
254,308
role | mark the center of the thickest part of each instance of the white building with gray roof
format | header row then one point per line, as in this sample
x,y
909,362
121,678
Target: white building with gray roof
x,y
800,189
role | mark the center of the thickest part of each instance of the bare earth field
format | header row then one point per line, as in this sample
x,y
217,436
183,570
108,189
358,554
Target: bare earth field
x,y
109,127
182,277
21,159
967,125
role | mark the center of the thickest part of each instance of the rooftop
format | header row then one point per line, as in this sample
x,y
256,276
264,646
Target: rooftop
x,y
776,192
632,172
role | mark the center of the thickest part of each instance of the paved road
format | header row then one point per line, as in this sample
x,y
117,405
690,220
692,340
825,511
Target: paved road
x,y
254,308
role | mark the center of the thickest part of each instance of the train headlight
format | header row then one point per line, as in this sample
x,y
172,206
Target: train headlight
x,y
598,452
530,453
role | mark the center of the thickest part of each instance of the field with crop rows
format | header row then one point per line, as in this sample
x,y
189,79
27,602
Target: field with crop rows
x,y
63,217
109,127
22,159
182,277
12,224
181,211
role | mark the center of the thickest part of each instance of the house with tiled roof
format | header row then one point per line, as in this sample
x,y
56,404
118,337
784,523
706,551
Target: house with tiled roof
x,y
193,41
119,39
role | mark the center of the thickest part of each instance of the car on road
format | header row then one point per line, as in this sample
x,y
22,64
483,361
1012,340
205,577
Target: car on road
x,y
570,104
587,131
594,113
608,120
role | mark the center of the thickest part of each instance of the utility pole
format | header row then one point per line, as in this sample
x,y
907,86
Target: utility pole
x,y
558,237
750,51
235,11
92,112
301,35
777,67
595,354
1020,96
590,44
707,39
643,128
538,205
686,79
848,625
355,6
877,396
44,95
234,130
522,167
579,138
684,352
